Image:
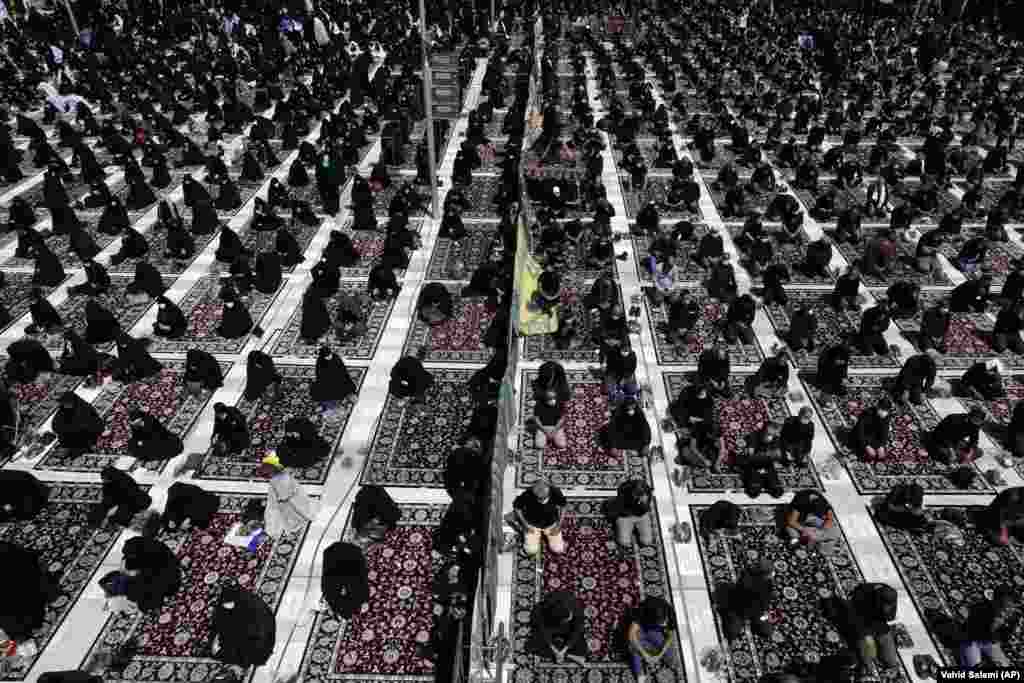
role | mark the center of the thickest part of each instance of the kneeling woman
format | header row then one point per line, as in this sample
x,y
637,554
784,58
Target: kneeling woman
x,y
435,304
152,441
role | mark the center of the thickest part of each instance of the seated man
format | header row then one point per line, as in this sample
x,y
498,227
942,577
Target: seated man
x,y
983,381
721,519
989,624
628,430
757,459
865,623
803,325
870,435
539,511
650,634
797,438
1007,329
747,602
772,378
698,435
713,371
955,439
903,507
934,325
873,324
558,623
916,379
739,320
808,519
630,510
1004,516
465,471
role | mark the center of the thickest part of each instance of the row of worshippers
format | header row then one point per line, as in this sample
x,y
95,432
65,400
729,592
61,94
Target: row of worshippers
x,y
243,625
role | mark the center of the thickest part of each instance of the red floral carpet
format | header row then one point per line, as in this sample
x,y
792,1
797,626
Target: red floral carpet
x,y
966,339
16,291
739,417
411,445
380,642
174,643
162,396
1000,254
291,344
202,309
907,458
585,349
802,578
460,339
38,400
585,462
69,547
266,418
706,333
686,268
606,585
833,327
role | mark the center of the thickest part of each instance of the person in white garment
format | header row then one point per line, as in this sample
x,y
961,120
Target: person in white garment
x,y
288,505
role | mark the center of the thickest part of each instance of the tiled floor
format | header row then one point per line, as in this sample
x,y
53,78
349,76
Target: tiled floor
x,y
376,443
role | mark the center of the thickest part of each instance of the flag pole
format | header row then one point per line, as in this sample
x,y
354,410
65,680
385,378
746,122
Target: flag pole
x,y
428,101
74,22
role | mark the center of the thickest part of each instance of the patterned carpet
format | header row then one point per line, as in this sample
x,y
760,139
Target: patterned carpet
x,y
72,310
40,399
157,241
380,643
174,643
410,445
266,418
290,343
264,240
833,327
203,309
907,460
607,587
739,417
903,267
948,579
585,349
686,269
706,332
1000,255
966,340
460,339
802,579
163,396
585,462
469,252
69,547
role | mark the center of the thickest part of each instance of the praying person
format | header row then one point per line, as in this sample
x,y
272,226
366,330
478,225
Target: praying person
x,y
289,507
558,629
189,506
539,511
122,498
344,582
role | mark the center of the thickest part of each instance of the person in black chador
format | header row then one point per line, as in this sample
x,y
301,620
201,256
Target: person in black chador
x,y
244,629
267,274
77,425
235,321
302,445
45,317
170,321
22,496
409,379
151,441
78,357
153,573
48,271
288,248
147,285
260,374
316,319
374,513
32,587
133,360
26,359
344,582
101,325
189,506
133,245
97,281
230,431
229,246
202,372
333,382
